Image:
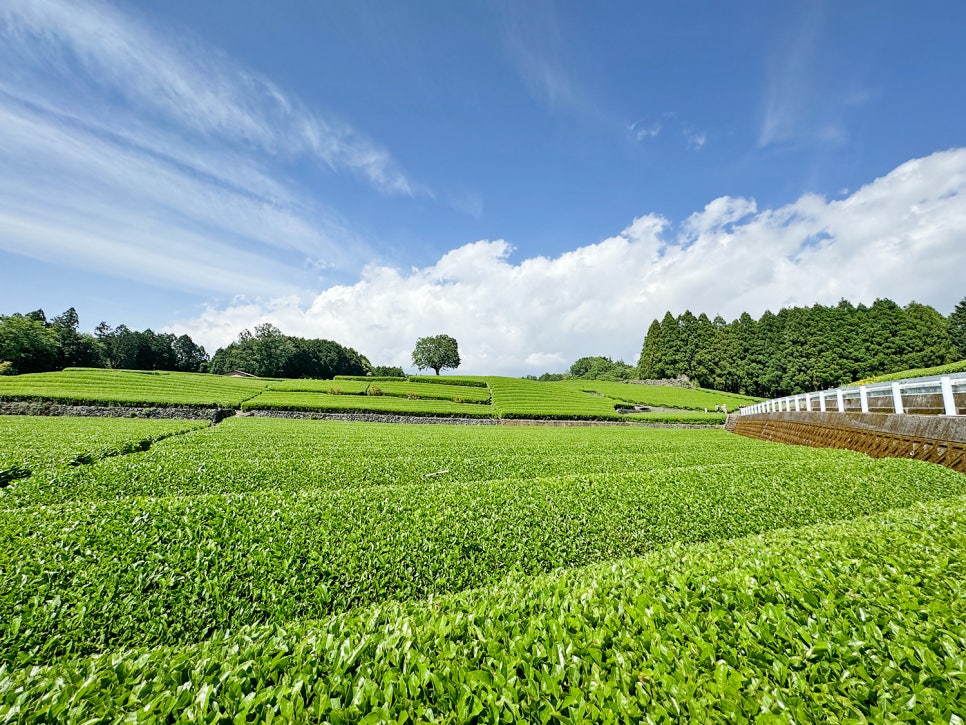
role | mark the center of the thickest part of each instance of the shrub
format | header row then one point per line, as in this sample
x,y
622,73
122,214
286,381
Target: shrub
x,y
374,390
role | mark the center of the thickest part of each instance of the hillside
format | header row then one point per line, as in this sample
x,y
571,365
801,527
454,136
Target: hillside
x,y
443,396
349,572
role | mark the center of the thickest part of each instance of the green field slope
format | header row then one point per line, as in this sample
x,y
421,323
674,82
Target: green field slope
x,y
598,400
42,445
661,395
265,454
323,571
434,390
344,386
519,398
461,380
170,546
861,621
387,404
129,387
957,367
443,396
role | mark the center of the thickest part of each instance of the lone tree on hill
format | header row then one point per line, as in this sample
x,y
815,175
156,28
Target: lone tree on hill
x,y
436,352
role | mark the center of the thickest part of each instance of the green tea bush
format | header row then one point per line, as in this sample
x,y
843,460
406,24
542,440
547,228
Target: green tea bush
x,y
128,387
175,569
860,621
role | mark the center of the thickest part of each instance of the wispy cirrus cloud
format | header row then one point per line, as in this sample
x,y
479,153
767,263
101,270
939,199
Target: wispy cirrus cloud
x,y
645,129
69,196
533,42
694,139
152,158
96,57
898,236
801,101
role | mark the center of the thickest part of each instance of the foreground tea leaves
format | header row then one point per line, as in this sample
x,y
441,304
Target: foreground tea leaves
x,y
857,621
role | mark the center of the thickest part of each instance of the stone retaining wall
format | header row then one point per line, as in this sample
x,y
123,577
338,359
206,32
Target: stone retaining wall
x,y
371,417
47,407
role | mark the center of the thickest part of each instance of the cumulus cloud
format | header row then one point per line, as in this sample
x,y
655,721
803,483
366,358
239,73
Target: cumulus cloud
x,y
900,236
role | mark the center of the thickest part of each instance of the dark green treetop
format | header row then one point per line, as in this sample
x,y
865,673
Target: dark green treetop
x,y
436,352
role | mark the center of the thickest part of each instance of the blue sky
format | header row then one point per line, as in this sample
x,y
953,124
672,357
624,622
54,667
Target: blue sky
x,y
538,179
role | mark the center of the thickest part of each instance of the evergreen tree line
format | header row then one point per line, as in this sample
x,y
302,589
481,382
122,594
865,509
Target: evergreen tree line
x,y
30,343
267,352
802,348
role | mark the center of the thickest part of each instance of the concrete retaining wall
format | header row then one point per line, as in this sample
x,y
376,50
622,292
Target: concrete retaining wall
x,y
934,438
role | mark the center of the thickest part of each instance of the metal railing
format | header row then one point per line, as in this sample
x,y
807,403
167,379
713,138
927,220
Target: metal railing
x,y
898,396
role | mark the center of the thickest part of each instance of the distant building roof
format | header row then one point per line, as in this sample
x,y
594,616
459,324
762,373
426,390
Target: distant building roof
x,y
240,374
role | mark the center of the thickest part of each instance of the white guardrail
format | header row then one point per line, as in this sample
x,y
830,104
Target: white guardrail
x,y
857,398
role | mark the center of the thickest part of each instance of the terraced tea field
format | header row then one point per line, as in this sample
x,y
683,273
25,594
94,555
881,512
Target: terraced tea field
x,y
131,387
322,571
436,396
39,446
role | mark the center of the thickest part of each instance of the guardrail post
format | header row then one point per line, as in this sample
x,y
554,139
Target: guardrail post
x,y
897,397
808,402
864,398
797,409
821,401
949,400
840,400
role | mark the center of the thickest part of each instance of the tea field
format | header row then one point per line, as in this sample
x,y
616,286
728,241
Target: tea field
x,y
131,387
38,446
437,396
324,571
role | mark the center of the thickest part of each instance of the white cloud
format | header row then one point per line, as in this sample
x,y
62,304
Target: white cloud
x,y
74,196
83,51
801,100
695,139
643,130
147,157
899,237
536,48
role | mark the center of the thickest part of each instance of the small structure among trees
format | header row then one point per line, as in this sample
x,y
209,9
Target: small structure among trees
x,y
436,352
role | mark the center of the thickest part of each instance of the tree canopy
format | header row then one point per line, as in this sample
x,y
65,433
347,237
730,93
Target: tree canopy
x,y
957,328
601,368
267,352
33,344
799,348
436,352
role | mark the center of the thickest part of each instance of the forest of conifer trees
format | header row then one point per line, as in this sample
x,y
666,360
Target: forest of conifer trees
x,y
800,348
